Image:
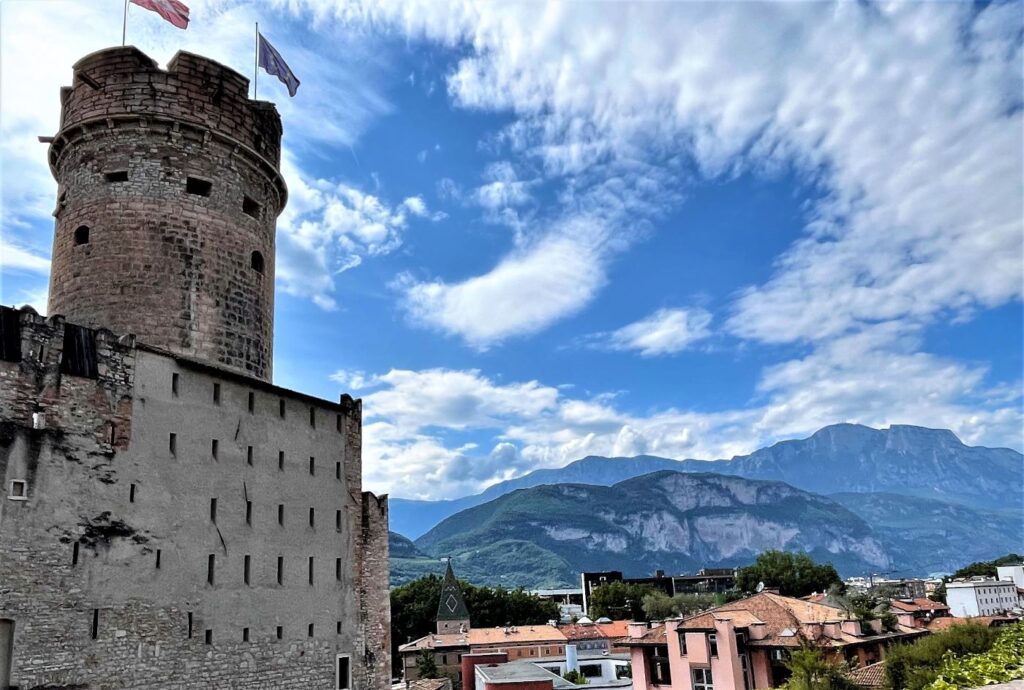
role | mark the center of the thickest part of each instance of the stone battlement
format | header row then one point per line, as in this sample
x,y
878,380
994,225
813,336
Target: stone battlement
x,y
193,90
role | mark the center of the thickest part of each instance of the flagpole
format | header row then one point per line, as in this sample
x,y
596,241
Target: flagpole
x,y
124,24
256,64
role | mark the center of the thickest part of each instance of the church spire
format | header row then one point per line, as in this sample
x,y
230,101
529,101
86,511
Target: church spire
x,y
452,614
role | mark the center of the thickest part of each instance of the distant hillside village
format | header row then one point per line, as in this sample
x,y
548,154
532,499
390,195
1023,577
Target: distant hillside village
x,y
738,641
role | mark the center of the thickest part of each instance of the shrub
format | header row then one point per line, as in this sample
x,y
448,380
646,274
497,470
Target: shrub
x,y
915,666
1002,663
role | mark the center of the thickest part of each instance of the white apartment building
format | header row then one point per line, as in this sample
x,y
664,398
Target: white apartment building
x,y
981,597
1012,572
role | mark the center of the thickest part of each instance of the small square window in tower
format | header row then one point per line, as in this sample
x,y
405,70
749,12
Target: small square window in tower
x,y
250,207
116,176
18,490
82,234
194,185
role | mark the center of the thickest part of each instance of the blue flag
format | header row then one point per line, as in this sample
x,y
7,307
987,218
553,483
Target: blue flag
x,y
273,63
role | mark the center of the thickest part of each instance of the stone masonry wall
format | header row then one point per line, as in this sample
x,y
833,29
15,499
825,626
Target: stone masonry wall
x,y
168,194
104,566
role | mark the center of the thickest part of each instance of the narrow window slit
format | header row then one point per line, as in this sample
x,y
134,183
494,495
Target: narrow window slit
x,y
256,262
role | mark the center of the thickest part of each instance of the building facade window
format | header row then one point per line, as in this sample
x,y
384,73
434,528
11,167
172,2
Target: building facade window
x,y
702,679
661,671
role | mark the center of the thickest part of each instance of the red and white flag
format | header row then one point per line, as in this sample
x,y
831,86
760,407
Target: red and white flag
x,y
171,10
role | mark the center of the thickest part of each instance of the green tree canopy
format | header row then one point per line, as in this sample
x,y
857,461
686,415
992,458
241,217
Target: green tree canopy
x,y
794,574
915,666
658,606
414,606
811,670
426,665
988,568
619,600
1002,663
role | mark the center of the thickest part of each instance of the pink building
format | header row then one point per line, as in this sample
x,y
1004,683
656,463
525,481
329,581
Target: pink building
x,y
744,644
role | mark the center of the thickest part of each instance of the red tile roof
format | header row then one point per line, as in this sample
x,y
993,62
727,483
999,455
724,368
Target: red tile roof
x,y
946,622
516,635
870,676
919,604
784,618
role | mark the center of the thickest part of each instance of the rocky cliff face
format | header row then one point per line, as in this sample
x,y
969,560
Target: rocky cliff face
x,y
905,460
666,520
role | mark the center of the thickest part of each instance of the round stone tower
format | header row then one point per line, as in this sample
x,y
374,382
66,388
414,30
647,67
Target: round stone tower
x,y
168,194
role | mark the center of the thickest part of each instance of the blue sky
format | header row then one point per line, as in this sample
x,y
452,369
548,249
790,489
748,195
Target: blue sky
x,y
527,233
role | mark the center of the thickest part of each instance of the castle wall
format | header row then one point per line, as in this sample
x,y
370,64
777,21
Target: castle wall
x,y
104,565
168,194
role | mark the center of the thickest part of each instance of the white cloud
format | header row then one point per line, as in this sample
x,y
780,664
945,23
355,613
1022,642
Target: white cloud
x,y
503,188
906,113
16,258
329,227
542,281
664,332
874,378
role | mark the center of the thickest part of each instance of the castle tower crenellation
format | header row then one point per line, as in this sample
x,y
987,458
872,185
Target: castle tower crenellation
x,y
168,194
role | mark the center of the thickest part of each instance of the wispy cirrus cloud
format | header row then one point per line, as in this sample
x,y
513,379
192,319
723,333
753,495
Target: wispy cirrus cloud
x,y
908,114
664,332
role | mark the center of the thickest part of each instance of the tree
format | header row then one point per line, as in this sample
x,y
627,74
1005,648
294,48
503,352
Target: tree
x,y
988,568
426,665
812,671
794,574
575,677
915,666
414,608
619,600
658,606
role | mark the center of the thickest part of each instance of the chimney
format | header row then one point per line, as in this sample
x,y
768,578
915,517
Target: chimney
x,y
571,661
637,629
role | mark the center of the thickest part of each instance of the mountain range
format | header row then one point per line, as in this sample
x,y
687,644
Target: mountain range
x,y
903,499
904,460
